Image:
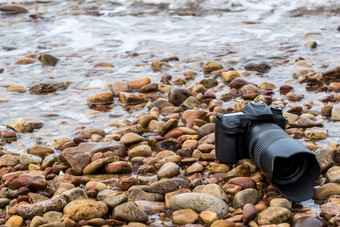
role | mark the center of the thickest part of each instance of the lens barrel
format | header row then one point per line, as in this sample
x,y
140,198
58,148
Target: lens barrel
x,y
288,164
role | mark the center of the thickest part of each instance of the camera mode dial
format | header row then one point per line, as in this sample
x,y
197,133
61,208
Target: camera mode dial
x,y
233,122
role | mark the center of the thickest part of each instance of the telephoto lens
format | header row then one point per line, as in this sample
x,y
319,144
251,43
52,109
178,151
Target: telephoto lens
x,y
258,132
291,166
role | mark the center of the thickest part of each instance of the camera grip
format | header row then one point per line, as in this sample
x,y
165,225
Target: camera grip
x,y
226,146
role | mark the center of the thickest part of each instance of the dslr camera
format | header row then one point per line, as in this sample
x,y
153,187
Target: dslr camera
x,y
258,133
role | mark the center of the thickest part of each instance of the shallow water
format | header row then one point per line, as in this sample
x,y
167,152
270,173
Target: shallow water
x,y
130,35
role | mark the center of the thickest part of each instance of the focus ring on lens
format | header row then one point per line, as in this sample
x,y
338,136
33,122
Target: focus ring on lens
x,y
261,136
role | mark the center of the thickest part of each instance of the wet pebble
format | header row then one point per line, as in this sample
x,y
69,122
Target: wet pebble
x,y
249,213
281,202
326,190
131,138
178,95
194,168
129,212
245,196
335,112
48,59
168,170
259,67
13,9
115,199
139,83
208,217
118,167
166,186
184,216
211,66
333,174
14,221
274,215
199,202
308,221
316,133
25,124
27,159
140,151
120,86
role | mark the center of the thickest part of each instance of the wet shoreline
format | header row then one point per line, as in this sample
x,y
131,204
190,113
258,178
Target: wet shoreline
x,y
152,54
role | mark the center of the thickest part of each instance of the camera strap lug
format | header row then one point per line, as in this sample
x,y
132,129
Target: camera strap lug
x,y
217,116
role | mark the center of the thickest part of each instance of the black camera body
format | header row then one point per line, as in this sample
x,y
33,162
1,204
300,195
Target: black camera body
x,y
232,130
258,133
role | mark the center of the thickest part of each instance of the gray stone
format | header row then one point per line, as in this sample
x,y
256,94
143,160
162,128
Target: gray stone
x,y
199,202
27,159
249,195
74,194
114,200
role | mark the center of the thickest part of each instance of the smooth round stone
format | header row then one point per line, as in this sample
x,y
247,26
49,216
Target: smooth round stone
x,y
291,117
74,194
199,202
190,103
208,217
316,133
17,88
131,137
218,167
274,215
38,221
129,212
155,126
249,212
15,221
118,167
189,144
114,200
85,209
210,66
178,95
309,116
222,223
244,182
105,193
140,151
184,216
326,190
206,129
249,195
52,216
215,190
335,115
93,185
25,124
4,202
27,159
333,174
145,120
308,222
229,76
168,170
194,168
9,160
281,202
120,86
40,150
102,98
140,82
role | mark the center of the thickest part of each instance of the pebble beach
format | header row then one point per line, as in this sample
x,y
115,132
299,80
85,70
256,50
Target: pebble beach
x,y
107,110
